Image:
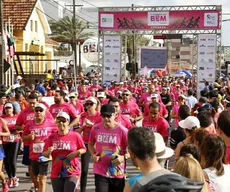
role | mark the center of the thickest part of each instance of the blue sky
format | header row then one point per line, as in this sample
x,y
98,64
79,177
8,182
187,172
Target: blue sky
x,y
225,6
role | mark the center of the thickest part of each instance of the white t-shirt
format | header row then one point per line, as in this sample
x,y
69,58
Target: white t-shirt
x,y
220,183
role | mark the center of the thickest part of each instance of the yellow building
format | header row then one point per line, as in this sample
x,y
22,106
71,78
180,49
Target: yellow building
x,y
30,30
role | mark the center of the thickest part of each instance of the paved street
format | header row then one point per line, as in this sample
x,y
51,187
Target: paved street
x,y
25,182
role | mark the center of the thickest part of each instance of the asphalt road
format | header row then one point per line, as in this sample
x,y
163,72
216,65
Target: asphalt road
x,y
25,182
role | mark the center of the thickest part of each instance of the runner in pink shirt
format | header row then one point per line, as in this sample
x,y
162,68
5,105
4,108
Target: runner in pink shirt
x,y
87,120
121,119
130,109
83,93
156,122
95,87
107,146
61,105
77,104
102,97
37,131
64,147
146,97
23,118
177,92
163,110
175,109
107,91
11,145
3,100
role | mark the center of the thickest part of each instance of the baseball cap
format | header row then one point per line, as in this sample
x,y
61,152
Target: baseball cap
x,y
207,106
162,152
107,109
63,114
121,83
72,95
19,77
154,95
40,105
9,105
92,99
182,96
164,88
191,122
101,94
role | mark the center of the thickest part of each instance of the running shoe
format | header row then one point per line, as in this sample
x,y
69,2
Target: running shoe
x,y
15,182
5,187
10,182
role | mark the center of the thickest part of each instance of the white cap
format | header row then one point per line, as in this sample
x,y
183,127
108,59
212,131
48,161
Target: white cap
x,y
191,122
101,94
63,114
19,77
41,106
162,152
8,105
154,95
72,95
183,96
92,99
121,83
15,86
154,80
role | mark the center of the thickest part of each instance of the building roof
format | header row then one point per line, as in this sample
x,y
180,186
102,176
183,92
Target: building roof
x,y
18,11
51,41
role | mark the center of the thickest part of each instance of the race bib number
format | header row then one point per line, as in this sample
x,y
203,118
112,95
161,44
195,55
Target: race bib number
x,y
9,139
38,147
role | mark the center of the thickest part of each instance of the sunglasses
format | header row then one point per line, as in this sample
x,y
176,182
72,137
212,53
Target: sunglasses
x,y
39,110
61,120
89,104
106,116
125,95
72,97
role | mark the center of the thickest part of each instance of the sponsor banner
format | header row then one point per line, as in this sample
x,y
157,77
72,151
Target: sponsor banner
x,y
111,58
155,58
167,20
206,61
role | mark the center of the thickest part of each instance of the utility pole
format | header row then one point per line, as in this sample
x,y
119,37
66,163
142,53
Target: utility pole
x,y
134,58
74,44
2,45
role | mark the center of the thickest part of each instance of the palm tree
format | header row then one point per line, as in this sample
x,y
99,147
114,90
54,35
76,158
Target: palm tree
x,y
63,31
139,40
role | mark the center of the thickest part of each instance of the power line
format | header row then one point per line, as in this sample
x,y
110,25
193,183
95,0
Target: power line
x,y
68,10
89,3
45,14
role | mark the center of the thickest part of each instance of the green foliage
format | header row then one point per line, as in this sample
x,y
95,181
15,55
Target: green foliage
x,y
63,30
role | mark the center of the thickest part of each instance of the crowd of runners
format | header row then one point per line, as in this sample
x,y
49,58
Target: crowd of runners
x,y
101,123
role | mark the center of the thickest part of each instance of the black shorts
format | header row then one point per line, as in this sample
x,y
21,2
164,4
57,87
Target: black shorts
x,y
40,168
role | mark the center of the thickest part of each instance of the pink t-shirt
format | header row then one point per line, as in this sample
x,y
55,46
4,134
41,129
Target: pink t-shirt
x,y
1,110
130,109
14,137
65,107
163,110
123,120
227,159
84,95
62,146
145,98
42,132
160,125
28,115
94,88
107,143
105,101
96,118
79,107
175,109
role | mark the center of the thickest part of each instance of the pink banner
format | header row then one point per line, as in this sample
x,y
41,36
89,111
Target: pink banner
x,y
167,20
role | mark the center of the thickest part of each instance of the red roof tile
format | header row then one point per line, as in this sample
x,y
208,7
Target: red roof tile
x,y
18,11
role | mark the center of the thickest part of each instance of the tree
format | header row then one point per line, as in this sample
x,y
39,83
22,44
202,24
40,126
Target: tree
x,y
139,40
63,31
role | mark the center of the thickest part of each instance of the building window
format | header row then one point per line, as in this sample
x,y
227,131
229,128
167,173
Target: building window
x,y
31,25
36,26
